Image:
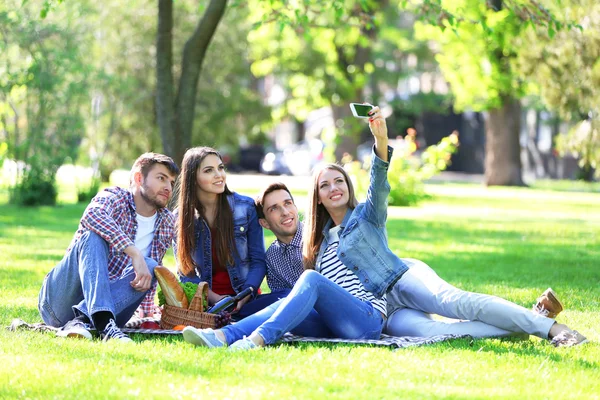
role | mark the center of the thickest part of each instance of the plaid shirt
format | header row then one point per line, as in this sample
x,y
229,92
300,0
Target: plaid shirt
x,y
111,214
284,262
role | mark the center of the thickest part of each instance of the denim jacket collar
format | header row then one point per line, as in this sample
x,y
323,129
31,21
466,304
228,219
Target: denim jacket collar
x,y
329,223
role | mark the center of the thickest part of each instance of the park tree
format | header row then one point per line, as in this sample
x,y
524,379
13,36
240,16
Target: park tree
x,y
563,70
317,56
177,82
475,59
43,91
479,42
228,91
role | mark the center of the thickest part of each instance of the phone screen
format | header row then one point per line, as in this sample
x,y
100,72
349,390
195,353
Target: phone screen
x,y
362,110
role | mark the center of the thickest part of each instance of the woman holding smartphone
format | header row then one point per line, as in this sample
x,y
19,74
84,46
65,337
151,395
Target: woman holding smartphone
x,y
219,239
345,307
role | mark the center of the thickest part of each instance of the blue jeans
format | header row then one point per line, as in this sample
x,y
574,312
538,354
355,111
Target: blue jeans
x,y
79,284
329,308
261,301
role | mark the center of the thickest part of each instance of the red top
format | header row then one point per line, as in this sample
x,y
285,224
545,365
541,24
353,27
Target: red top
x,y
221,283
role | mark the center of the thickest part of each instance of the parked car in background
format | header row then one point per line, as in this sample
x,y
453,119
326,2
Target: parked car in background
x,y
297,159
250,157
273,163
302,157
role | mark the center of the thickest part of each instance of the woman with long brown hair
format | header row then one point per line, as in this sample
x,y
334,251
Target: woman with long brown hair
x,y
219,239
344,307
413,289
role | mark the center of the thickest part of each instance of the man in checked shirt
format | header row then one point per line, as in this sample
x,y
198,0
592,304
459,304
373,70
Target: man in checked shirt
x,y
108,270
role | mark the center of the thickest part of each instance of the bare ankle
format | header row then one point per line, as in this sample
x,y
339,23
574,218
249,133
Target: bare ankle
x,y
557,329
221,336
257,339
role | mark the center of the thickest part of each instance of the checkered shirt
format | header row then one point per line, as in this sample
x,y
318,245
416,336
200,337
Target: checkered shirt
x,y
111,214
284,262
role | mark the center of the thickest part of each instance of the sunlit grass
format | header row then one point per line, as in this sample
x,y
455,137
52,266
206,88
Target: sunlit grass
x,y
508,242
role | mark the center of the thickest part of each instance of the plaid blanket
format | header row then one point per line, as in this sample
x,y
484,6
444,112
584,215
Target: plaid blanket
x,y
385,340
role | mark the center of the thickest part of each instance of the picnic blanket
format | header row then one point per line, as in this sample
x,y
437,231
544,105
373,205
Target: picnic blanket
x,y
132,327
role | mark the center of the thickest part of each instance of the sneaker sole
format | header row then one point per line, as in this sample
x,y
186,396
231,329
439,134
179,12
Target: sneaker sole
x,y
195,337
75,334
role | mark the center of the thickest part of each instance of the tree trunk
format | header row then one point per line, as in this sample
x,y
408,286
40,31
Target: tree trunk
x,y
502,147
191,66
165,112
175,114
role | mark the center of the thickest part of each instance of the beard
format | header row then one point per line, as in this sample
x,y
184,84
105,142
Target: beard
x,y
151,198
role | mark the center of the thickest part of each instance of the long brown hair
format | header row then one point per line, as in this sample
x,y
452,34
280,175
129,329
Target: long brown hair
x,y
189,206
317,216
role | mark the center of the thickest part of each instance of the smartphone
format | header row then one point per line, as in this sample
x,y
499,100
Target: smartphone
x,y
361,110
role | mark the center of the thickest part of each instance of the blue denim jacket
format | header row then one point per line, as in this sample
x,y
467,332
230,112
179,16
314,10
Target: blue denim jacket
x,y
249,266
363,246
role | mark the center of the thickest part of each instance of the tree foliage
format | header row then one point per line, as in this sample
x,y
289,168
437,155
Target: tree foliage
x,y
563,69
43,87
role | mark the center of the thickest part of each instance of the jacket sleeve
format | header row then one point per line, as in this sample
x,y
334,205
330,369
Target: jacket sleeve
x,y
99,217
256,252
375,209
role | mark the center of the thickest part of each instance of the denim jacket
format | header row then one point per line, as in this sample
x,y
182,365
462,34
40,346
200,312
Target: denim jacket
x,y
363,246
249,266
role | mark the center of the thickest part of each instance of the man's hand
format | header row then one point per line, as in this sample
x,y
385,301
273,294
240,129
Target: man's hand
x,y
143,278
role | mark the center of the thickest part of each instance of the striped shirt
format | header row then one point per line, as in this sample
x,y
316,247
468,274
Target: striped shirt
x,y
332,268
111,214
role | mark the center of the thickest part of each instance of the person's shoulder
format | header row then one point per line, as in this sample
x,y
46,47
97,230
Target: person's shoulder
x,y
116,190
114,193
240,198
273,247
244,202
167,214
273,250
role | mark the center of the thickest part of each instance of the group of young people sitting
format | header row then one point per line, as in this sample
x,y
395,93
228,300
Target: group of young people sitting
x,y
333,275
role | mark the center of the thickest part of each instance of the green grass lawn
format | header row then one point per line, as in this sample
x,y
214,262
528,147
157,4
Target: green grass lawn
x,y
512,243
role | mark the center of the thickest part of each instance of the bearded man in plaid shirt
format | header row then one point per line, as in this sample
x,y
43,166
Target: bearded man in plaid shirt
x,y
108,270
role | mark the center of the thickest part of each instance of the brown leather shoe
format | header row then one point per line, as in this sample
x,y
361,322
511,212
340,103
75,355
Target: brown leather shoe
x,y
548,304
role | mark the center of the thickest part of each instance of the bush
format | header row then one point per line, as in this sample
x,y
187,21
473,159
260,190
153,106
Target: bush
x,y
583,142
407,172
85,194
36,188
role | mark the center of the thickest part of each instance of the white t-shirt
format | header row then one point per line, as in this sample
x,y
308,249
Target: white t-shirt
x,y
145,233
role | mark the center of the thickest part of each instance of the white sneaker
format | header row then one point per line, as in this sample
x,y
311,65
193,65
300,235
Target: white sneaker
x,y
75,329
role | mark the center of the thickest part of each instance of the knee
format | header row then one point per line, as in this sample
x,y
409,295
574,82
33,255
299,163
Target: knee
x,y
309,276
418,264
151,264
90,238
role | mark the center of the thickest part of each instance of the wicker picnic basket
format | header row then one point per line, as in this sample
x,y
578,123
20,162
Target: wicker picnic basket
x,y
194,315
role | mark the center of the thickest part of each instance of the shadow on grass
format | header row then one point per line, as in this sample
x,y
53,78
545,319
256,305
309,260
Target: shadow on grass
x,y
62,218
21,278
540,350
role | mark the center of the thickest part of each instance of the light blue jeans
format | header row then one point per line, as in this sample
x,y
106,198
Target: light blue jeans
x,y
79,284
421,292
315,307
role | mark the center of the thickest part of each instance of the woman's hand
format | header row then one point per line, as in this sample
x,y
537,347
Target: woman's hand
x,y
213,297
380,133
377,124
